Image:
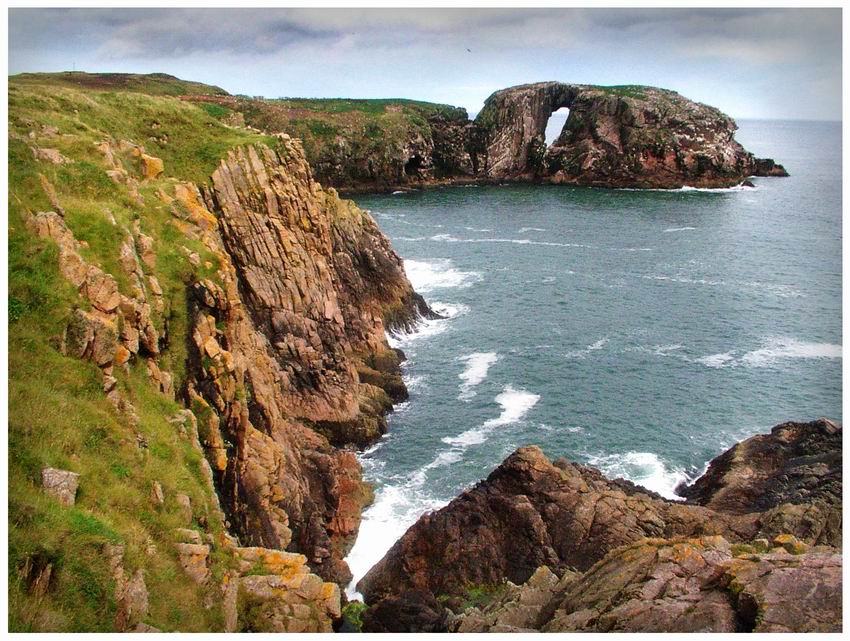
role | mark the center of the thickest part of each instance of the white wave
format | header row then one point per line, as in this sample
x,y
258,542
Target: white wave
x,y
439,274
525,230
778,348
716,360
672,229
688,188
428,327
642,468
581,353
717,190
773,350
399,191
477,229
685,280
776,289
657,350
477,366
448,238
394,510
515,405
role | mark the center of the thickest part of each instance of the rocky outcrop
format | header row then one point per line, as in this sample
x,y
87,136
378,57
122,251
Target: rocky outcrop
x,y
675,585
795,463
530,512
629,136
61,484
289,363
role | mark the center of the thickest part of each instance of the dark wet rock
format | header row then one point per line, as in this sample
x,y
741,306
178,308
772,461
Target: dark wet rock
x,y
796,463
410,611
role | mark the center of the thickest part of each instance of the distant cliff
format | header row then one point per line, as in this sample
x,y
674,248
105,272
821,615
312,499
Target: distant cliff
x,y
627,136
618,136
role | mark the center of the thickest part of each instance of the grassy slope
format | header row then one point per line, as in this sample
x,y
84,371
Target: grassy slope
x,y
155,84
58,415
372,128
375,129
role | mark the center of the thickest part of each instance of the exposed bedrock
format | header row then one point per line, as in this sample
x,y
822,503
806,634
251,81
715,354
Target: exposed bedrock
x,y
530,512
289,360
627,136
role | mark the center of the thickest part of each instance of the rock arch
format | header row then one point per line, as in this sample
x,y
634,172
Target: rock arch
x,y
622,136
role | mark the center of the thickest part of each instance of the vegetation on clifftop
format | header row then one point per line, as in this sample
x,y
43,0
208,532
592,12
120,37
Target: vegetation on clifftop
x,y
58,413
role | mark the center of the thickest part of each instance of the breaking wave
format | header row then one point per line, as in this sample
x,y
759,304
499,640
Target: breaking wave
x,y
641,468
773,350
428,327
515,405
581,353
439,274
477,366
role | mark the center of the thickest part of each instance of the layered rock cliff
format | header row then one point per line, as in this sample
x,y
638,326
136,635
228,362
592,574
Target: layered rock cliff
x,y
290,358
531,513
622,136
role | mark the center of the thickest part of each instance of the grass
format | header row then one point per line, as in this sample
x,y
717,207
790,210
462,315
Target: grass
x,y
58,414
156,84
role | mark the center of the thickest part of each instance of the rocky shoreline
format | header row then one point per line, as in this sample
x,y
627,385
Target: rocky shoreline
x,y
593,554
626,136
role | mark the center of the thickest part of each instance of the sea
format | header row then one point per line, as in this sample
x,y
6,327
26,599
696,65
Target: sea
x,y
642,332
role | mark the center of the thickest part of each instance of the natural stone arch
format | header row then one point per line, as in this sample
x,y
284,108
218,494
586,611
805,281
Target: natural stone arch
x,y
516,119
620,136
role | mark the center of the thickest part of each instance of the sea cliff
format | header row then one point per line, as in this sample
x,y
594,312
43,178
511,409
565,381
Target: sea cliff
x,y
198,347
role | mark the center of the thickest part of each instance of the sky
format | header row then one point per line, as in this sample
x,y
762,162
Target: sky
x,y
750,63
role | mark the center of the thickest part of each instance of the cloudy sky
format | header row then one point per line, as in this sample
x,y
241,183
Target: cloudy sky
x,y
752,63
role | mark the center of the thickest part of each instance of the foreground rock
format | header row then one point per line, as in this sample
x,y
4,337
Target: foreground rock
x,y
530,513
679,585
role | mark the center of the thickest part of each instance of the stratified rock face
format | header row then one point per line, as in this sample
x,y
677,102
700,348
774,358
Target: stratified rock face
x,y
530,512
630,136
282,346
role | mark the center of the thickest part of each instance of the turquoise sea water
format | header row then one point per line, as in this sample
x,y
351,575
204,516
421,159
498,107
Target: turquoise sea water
x,y
641,331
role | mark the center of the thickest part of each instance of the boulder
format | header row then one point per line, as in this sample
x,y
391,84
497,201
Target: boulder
x,y
530,512
152,166
60,484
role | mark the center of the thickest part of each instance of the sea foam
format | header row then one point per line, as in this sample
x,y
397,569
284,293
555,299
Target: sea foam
x,y
515,405
440,274
641,468
774,349
477,366
428,327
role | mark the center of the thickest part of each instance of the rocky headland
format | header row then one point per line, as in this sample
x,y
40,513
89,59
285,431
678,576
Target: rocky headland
x,y
255,306
623,136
